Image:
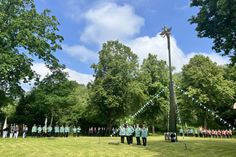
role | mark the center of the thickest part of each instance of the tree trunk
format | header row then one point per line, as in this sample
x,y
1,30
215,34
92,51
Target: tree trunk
x,y
109,127
153,129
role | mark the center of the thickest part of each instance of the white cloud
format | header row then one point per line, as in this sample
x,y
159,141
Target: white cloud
x,y
111,22
42,70
79,77
80,52
158,45
213,56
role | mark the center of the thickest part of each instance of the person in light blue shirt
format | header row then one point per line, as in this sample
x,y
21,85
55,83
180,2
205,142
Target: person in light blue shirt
x,y
122,133
127,133
34,131
62,131
190,132
131,134
49,130
74,131
78,129
181,131
56,130
138,134
67,130
144,133
39,131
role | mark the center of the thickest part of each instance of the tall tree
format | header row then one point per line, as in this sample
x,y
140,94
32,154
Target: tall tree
x,y
114,72
204,80
216,19
24,35
154,76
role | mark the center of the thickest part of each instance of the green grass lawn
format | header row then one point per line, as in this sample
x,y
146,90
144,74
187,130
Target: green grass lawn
x,y
90,146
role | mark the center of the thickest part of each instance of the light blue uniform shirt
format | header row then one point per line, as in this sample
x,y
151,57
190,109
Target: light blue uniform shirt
x,y
62,129
137,132
56,129
74,130
34,129
122,131
49,129
144,132
67,129
39,129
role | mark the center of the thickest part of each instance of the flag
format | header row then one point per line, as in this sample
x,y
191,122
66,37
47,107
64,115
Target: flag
x,y
46,121
234,106
5,123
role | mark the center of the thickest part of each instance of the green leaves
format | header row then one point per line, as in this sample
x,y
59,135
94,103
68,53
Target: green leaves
x,y
115,71
55,95
25,34
216,19
204,80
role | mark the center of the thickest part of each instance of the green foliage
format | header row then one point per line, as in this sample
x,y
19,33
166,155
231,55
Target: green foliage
x,y
216,19
24,34
114,73
54,96
204,80
154,77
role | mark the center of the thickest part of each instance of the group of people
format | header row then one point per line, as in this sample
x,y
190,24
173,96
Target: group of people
x,y
98,131
13,131
128,131
214,133
56,131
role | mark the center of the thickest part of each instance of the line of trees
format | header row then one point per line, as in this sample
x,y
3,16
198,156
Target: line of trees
x,y
121,85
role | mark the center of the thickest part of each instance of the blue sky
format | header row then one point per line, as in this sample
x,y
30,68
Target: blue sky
x,y
86,24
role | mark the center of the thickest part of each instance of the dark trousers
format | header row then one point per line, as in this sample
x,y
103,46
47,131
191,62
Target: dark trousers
x,y
138,140
39,134
77,134
122,139
128,139
66,134
131,139
144,141
33,134
49,134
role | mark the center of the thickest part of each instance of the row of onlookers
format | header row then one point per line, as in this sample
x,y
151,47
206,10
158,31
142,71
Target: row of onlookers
x,y
227,133
13,131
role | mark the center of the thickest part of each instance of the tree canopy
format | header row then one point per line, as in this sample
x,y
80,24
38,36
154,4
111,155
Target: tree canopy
x,y
216,19
204,80
154,77
25,35
116,69
56,97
